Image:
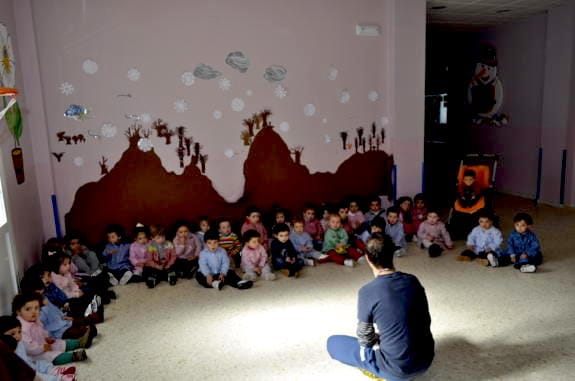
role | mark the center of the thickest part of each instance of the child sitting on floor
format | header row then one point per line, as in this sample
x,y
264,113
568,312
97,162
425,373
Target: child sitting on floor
x,y
375,209
404,206
284,256
139,254
280,217
253,222
117,256
303,243
45,371
433,235
355,216
313,227
394,229
230,242
523,247
376,226
38,344
214,266
343,212
204,225
335,244
255,257
162,260
483,242
419,210
187,249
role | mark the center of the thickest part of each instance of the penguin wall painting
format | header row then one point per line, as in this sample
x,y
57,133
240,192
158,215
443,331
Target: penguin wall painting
x,y
485,91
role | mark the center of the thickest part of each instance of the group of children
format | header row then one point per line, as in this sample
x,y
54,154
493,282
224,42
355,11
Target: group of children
x,y
54,318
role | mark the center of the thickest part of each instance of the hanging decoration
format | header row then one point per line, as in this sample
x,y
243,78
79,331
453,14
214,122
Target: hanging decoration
x,y
275,73
66,88
238,61
77,112
203,71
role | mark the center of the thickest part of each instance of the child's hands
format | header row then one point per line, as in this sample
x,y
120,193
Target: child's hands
x,y
66,307
47,347
524,256
449,247
258,270
429,238
512,256
68,318
305,249
50,340
339,245
209,279
290,260
112,251
222,277
472,248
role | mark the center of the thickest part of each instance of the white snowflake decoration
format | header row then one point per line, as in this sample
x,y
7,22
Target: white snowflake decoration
x,y
373,96
324,120
280,91
309,109
332,74
284,126
78,161
224,84
238,104
217,114
90,67
384,120
249,92
108,130
146,118
133,74
66,88
344,96
180,105
188,78
229,153
145,144
327,139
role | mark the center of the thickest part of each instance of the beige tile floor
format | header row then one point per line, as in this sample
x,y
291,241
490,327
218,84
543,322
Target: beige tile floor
x,y
489,324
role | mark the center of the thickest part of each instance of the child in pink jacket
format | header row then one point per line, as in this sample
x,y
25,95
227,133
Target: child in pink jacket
x,y
254,258
139,254
38,344
433,235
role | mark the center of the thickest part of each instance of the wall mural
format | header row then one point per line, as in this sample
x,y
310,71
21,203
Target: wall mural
x,y
485,91
139,189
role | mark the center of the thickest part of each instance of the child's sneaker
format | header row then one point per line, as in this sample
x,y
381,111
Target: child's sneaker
x,y
79,355
322,257
67,377
361,260
349,263
113,280
296,274
285,272
249,276
60,370
463,258
245,284
218,285
126,278
151,282
269,276
172,279
493,261
399,252
528,268
309,262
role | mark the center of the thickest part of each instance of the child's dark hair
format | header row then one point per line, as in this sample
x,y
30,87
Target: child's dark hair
x,y
158,230
393,209
30,283
298,220
211,235
525,217
419,197
203,218
278,228
73,235
433,210
249,234
403,199
380,249
469,173
21,299
115,228
374,198
378,222
51,247
252,209
54,262
141,229
7,323
484,213
37,270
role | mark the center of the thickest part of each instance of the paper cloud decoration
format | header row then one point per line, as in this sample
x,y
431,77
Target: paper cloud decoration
x,y
238,60
275,73
206,72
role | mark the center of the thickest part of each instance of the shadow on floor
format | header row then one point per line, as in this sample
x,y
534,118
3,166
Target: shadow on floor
x,y
458,359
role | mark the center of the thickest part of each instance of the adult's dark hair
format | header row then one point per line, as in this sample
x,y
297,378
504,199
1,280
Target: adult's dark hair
x,y
470,173
278,228
8,322
380,249
211,235
10,341
249,234
525,217
31,284
21,299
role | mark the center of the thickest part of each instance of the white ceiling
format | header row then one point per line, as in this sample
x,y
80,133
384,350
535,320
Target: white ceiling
x,y
484,13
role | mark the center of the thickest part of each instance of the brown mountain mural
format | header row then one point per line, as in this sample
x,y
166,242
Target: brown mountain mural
x,y
139,189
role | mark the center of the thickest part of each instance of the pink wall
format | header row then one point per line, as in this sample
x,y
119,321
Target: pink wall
x,y
309,38
23,205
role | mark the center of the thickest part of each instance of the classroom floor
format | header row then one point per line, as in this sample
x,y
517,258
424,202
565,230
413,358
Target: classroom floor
x,y
488,323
